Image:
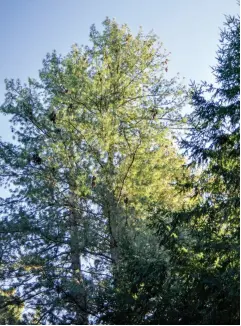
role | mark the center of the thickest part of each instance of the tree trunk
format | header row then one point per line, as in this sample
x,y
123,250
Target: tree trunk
x,y
78,291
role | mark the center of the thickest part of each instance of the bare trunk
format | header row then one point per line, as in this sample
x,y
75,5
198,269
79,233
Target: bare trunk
x,y
112,212
115,221
113,239
78,292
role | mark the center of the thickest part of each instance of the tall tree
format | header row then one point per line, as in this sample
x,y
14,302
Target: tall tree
x,y
94,151
207,265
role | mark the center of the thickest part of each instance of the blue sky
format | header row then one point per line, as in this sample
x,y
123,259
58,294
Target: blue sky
x,y
29,29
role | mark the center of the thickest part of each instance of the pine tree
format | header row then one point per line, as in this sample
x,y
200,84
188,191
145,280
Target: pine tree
x,y
94,151
205,251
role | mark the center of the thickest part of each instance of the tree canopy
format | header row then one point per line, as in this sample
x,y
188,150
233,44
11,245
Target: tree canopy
x,y
208,263
106,221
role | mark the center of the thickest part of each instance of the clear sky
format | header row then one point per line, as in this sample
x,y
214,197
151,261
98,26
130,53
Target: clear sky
x,y
29,29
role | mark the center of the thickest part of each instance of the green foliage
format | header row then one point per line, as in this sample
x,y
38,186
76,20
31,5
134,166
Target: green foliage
x,y
93,151
11,307
106,223
205,253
